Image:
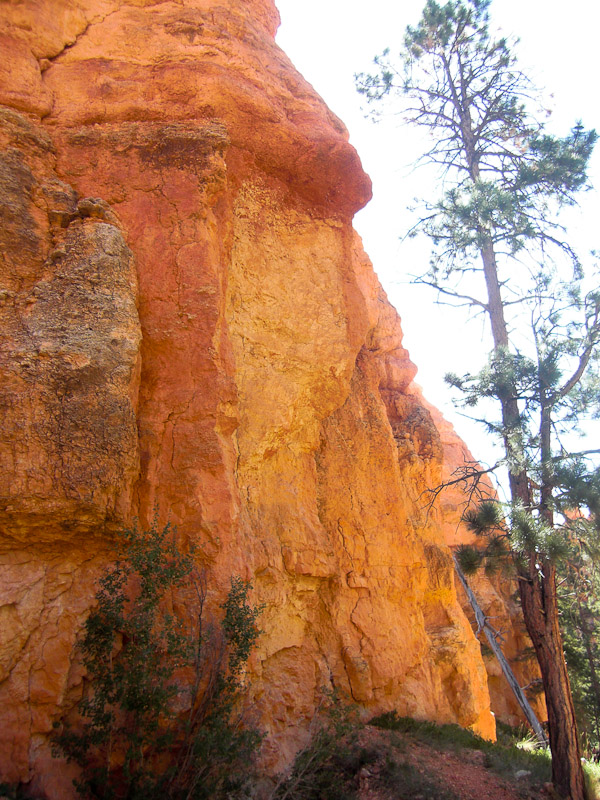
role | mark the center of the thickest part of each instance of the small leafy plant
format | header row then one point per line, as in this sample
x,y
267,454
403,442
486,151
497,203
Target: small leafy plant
x,y
161,716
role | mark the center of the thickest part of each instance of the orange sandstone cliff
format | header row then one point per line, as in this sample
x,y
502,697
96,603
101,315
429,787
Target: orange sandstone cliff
x,y
191,324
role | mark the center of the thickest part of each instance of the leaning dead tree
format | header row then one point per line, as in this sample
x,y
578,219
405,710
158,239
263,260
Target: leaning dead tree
x,y
492,636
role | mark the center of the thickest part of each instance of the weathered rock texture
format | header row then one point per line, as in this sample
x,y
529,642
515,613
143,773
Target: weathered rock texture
x,y
192,325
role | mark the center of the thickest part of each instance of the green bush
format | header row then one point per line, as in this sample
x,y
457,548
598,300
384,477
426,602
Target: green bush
x,y
326,768
160,717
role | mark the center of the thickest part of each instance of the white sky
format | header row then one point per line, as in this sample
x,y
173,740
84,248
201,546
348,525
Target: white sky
x,y
329,40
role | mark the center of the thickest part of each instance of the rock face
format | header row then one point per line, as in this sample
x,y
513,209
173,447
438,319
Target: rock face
x,y
70,352
192,326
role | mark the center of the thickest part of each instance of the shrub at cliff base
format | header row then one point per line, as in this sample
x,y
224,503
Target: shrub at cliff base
x,y
161,714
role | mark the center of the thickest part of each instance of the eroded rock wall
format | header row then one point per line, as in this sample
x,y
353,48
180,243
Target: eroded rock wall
x,y
193,326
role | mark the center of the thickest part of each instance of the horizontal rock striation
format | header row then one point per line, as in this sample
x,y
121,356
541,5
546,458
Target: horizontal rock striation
x,y
191,325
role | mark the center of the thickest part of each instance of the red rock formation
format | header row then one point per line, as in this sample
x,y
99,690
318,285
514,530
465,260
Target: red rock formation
x,y
250,383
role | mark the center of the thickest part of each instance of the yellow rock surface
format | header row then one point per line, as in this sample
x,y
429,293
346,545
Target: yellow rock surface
x,y
193,325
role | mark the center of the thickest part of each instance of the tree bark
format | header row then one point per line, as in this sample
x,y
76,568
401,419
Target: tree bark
x,y
511,418
541,619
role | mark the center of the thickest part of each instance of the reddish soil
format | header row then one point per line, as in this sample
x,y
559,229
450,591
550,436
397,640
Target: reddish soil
x,y
446,775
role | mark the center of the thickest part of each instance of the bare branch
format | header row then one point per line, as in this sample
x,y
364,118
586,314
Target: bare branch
x,y
471,300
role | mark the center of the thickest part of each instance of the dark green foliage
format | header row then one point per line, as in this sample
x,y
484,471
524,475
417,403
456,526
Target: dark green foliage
x,y
579,599
159,717
327,767
579,488
239,625
391,721
486,522
218,746
557,165
487,517
528,532
469,558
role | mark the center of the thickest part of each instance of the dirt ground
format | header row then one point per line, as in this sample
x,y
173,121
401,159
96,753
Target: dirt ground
x,y
463,774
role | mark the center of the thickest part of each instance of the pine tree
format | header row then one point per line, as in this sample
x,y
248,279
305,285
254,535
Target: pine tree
x,y
579,603
499,246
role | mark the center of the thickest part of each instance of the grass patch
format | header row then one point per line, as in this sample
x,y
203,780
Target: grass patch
x,y
506,761
591,772
446,737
